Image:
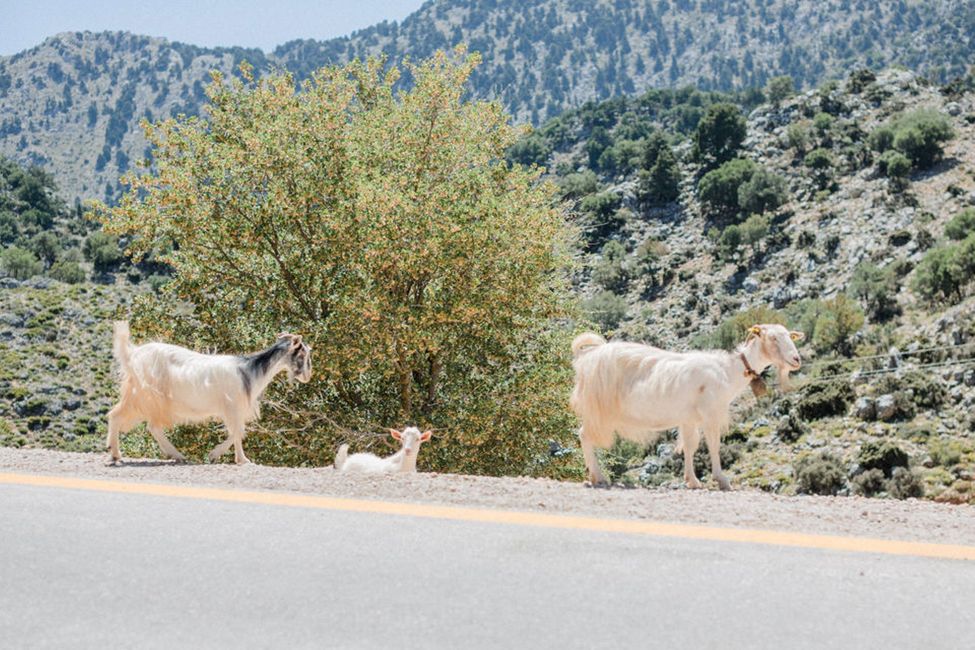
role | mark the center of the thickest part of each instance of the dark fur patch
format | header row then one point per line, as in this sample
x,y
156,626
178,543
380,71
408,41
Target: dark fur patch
x,y
257,365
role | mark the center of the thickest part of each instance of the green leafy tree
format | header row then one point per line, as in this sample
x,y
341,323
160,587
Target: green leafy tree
x,y
661,184
820,161
961,225
894,165
763,192
718,189
876,288
719,134
102,250
20,263
46,246
612,271
780,88
387,228
919,135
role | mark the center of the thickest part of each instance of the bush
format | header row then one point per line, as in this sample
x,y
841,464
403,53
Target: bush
x,y
602,216
530,150
67,271
661,184
877,289
920,134
611,272
578,184
894,164
718,189
797,135
820,161
859,79
868,483
825,400
102,250
943,272
905,484
829,324
763,192
606,309
20,263
46,246
821,473
881,139
961,225
780,88
946,453
883,455
921,389
733,330
719,134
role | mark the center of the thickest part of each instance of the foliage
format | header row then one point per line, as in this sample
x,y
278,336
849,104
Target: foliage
x,y
606,309
578,184
20,263
869,483
718,189
780,88
763,192
661,184
825,400
719,134
944,272
920,134
883,455
894,164
749,233
829,324
905,484
388,229
922,389
732,331
820,161
612,272
67,271
876,288
601,216
102,250
531,150
821,473
961,225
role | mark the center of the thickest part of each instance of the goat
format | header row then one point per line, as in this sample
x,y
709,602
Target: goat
x,y
164,385
403,460
635,390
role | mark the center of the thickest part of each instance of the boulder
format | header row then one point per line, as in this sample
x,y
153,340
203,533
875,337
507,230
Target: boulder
x,y
886,408
865,408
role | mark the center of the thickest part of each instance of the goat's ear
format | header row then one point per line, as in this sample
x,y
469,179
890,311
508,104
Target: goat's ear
x,y
797,336
426,436
396,434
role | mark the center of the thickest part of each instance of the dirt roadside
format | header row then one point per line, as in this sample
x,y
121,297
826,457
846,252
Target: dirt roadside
x,y
911,520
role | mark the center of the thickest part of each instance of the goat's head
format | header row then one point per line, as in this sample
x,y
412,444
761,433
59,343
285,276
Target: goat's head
x,y
297,357
779,347
411,439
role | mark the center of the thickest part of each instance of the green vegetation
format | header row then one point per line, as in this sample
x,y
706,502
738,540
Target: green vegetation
x,y
876,288
822,473
961,225
369,242
918,135
719,134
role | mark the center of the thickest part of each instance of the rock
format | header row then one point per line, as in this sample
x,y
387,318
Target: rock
x,y
953,109
893,358
9,283
72,404
750,285
665,450
865,408
886,406
38,282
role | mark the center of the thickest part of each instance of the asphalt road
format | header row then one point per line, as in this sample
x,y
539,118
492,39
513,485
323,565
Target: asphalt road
x,y
85,569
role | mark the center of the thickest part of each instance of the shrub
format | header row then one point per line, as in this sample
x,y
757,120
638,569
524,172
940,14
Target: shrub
x,y
602,216
920,134
729,242
599,140
733,330
868,483
946,453
578,184
961,225
718,189
763,192
829,324
611,271
67,271
101,249
719,134
877,289
661,184
821,473
780,88
894,164
883,455
942,273
46,246
823,122
20,263
820,161
606,309
797,135
530,150
924,390
905,484
859,79
825,400
881,139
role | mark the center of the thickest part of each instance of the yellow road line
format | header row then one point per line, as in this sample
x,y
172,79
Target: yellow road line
x,y
484,515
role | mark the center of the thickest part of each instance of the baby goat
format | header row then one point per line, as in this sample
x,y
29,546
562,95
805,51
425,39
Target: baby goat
x,y
164,385
403,460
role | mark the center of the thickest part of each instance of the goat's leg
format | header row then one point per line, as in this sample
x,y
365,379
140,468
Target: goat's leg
x,y
220,449
167,448
690,439
712,436
236,431
119,421
593,472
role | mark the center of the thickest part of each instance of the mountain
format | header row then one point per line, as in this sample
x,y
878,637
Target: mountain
x,y
72,104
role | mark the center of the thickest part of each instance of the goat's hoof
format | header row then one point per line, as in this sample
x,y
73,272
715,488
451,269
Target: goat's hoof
x,y
243,461
694,485
112,462
179,460
597,484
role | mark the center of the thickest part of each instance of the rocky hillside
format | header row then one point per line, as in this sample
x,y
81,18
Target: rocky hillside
x,y
73,103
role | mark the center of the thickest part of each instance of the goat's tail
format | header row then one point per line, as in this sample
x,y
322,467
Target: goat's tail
x,y
341,456
122,344
585,342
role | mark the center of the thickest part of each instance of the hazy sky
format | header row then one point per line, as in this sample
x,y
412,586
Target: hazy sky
x,y
249,23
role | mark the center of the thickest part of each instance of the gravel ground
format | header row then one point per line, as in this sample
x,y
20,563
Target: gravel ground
x,y
856,516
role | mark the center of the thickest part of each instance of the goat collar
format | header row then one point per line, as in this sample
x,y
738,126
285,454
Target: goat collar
x,y
757,383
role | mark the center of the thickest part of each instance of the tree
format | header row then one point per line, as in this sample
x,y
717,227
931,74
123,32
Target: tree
x,y
719,134
820,161
877,289
46,247
386,227
961,225
20,263
920,134
661,184
763,192
780,88
718,189
102,250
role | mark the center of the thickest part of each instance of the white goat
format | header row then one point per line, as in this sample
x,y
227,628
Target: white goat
x,y
403,460
164,385
635,390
